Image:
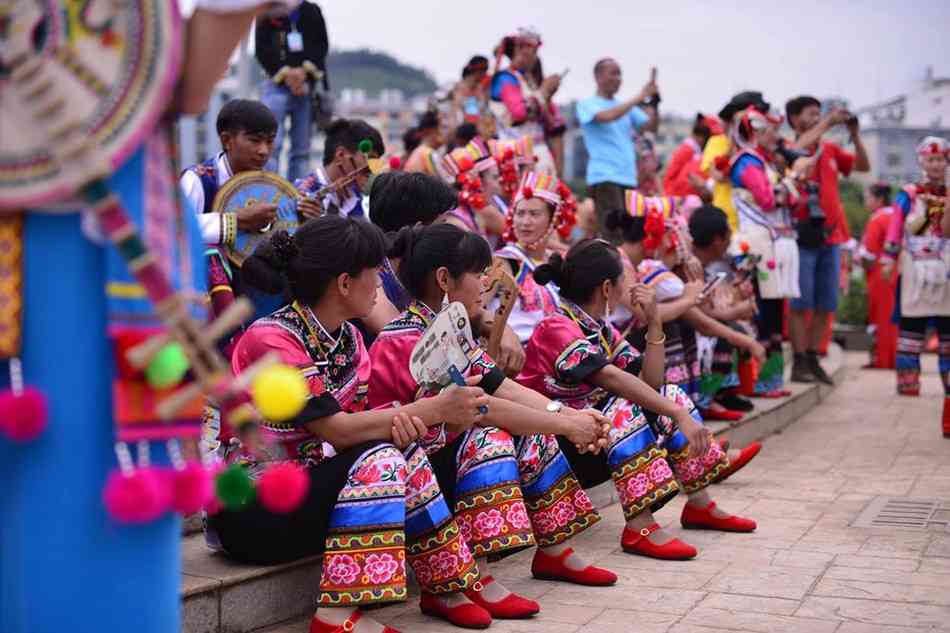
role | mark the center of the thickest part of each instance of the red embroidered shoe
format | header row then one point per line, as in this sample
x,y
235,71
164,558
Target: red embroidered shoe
x,y
735,465
511,607
634,542
466,616
724,415
703,519
946,416
319,626
545,567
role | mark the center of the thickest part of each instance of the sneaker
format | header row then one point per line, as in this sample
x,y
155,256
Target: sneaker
x,y
801,370
817,370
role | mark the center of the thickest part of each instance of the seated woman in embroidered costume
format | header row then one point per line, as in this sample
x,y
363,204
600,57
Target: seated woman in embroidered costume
x,y
510,485
577,356
542,205
657,248
373,501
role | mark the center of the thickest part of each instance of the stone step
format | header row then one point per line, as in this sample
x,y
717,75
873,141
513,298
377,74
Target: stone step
x,y
221,596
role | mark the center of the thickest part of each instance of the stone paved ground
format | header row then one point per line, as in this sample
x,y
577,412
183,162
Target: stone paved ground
x,y
806,569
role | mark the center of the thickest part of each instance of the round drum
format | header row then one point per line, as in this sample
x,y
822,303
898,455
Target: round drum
x,y
252,187
97,72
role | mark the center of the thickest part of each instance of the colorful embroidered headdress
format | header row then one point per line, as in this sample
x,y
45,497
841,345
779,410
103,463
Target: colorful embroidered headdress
x,y
465,164
661,215
933,145
512,156
550,189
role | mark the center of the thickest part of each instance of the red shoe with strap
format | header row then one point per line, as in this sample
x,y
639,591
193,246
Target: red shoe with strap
x,y
722,415
319,626
466,616
735,465
703,519
634,542
545,567
511,607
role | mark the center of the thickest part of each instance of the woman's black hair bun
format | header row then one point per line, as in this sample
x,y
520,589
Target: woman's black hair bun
x,y
285,250
551,271
617,219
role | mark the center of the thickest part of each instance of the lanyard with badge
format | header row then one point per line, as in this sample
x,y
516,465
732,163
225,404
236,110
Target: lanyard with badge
x,y
294,38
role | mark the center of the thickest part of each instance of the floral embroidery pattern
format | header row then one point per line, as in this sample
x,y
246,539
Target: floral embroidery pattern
x,y
341,569
380,568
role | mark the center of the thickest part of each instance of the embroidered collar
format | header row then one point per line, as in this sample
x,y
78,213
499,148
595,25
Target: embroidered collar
x,y
224,168
426,314
582,318
325,342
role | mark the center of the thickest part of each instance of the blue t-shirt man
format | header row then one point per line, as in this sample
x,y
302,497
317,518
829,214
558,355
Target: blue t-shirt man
x,y
610,145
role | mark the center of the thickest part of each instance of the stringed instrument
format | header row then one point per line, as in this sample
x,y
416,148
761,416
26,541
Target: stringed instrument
x,y
343,172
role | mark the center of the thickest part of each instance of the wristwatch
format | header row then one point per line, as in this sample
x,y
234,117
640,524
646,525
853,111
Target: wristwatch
x,y
554,406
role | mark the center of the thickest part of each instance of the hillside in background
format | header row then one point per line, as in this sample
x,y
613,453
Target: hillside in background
x,y
373,71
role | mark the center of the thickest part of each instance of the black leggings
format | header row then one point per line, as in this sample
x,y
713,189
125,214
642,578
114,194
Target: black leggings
x,y
260,537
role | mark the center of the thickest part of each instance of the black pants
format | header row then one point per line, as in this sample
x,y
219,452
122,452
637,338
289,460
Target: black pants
x,y
260,537
607,197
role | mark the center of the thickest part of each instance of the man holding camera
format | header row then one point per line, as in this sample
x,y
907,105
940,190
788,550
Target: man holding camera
x,y
822,228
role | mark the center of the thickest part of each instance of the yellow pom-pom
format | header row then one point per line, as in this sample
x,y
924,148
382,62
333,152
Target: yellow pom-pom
x,y
279,392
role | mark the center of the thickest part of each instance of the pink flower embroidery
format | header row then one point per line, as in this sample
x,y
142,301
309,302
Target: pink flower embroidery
x,y
517,516
565,512
380,567
341,569
660,471
465,554
444,564
582,502
544,522
423,571
465,527
638,486
713,455
488,524
420,479
367,474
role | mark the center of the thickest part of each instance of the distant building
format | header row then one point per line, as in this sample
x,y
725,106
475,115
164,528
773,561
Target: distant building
x,y
891,129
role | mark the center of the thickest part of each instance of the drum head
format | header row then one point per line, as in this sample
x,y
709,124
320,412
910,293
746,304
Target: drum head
x,y
252,187
98,69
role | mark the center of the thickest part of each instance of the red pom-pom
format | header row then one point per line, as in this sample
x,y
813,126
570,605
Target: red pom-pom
x,y
528,193
509,153
394,163
23,417
139,497
191,488
283,487
934,148
744,247
721,163
770,264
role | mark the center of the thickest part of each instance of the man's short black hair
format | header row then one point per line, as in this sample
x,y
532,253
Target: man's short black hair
x,y
476,64
708,223
347,133
882,191
248,116
795,106
603,61
398,199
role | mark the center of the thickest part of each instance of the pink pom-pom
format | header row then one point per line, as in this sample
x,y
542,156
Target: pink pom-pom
x,y
394,163
770,264
283,487
139,497
23,417
191,488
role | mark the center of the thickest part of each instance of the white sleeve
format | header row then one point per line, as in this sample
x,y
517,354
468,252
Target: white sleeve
x,y
194,194
669,287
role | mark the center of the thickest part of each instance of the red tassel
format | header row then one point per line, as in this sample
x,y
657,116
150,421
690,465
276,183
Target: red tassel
x,y
23,417
139,497
283,487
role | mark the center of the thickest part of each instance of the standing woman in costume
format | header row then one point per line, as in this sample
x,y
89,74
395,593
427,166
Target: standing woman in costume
x,y
542,205
475,174
509,482
522,100
763,201
918,238
578,357
372,502
423,145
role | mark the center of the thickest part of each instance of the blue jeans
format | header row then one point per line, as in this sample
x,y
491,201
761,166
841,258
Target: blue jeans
x,y
818,273
281,102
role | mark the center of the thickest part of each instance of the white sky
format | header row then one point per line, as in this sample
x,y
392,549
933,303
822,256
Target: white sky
x,y
864,50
